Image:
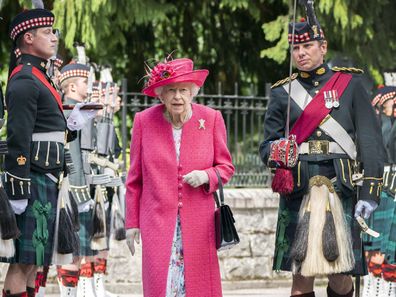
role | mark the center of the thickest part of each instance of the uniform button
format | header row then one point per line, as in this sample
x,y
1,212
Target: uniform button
x,y
180,186
180,204
179,177
180,167
180,195
316,83
318,133
317,91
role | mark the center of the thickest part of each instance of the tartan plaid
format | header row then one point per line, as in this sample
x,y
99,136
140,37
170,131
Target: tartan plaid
x,y
45,191
85,234
390,249
288,219
381,221
389,272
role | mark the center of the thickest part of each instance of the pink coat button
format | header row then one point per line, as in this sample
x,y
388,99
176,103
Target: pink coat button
x,y
180,186
180,204
180,195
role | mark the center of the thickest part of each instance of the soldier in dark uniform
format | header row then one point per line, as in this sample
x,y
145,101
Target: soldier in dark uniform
x,y
334,125
111,151
381,278
73,82
36,133
42,272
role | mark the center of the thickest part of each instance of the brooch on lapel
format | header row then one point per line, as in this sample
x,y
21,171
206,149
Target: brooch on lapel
x,y
201,124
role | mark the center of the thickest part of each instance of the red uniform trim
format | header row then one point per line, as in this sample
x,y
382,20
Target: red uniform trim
x,y
15,71
316,110
38,74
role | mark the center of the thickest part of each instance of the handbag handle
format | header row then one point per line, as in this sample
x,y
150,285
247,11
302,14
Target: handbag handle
x,y
215,196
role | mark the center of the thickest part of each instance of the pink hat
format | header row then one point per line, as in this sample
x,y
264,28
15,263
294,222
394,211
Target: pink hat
x,y
174,71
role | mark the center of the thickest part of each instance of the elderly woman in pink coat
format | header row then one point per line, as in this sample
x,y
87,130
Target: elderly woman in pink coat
x,y
176,148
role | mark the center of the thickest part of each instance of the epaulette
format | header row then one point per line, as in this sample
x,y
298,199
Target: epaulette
x,y
348,69
285,80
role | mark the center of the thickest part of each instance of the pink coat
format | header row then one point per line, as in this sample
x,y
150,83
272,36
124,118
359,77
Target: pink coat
x,y
155,189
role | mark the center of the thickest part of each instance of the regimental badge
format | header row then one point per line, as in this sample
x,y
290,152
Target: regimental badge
x,y
201,124
21,160
331,99
321,71
315,30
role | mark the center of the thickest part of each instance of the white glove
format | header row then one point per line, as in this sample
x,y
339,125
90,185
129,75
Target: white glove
x,y
132,236
19,206
365,208
86,206
196,178
78,118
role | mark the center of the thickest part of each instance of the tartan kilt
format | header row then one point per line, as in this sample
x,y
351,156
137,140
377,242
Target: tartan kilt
x,y
85,233
381,221
86,229
390,249
286,229
45,191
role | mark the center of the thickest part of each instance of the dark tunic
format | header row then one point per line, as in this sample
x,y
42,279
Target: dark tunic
x,y
32,108
356,116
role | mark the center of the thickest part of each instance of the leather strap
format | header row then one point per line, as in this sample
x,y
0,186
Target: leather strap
x,y
221,191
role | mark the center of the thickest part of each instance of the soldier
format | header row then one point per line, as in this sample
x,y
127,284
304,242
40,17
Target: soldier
x,y
42,272
331,118
36,134
382,274
35,137
105,134
73,82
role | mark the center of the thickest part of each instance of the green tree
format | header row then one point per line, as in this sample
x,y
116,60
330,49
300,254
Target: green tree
x,y
364,31
241,41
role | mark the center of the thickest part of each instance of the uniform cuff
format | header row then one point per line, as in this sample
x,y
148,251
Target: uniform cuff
x,y
16,187
371,189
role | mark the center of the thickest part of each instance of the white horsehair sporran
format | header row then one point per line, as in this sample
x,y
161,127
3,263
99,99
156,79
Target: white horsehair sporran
x,y
323,242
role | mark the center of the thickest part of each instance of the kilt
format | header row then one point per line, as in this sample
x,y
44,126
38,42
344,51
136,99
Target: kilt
x,y
86,228
390,249
288,216
381,221
35,245
85,233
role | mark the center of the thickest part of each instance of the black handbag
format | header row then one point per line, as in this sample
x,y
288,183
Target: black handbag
x,y
226,234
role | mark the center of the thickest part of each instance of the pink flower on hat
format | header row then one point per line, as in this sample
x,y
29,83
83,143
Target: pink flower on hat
x,y
160,72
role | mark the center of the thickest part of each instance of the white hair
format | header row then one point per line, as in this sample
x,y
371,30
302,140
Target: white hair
x,y
193,88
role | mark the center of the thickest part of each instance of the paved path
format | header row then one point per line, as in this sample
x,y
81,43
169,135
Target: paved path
x,y
274,292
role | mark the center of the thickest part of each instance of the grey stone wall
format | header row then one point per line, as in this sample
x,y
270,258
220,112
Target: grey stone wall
x,y
248,264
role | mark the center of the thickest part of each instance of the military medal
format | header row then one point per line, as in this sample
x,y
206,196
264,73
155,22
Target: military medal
x,y
328,99
336,101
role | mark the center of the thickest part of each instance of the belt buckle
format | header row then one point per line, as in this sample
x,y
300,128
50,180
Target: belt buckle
x,y
318,147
